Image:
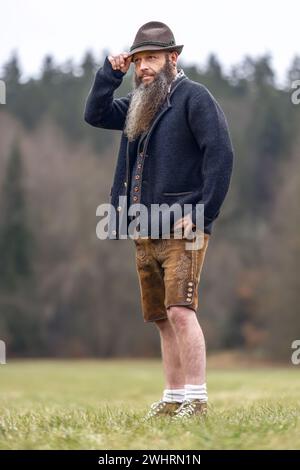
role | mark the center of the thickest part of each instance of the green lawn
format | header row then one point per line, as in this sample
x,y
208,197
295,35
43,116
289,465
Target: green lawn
x,y
99,405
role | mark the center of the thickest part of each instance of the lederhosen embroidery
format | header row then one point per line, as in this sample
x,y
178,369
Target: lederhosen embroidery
x,y
182,271
141,256
159,248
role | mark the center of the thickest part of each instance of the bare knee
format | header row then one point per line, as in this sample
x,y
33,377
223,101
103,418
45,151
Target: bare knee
x,y
180,316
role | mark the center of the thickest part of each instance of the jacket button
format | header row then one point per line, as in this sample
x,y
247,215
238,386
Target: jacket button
x,y
137,177
135,198
190,289
119,208
188,299
190,283
136,188
125,184
139,165
190,294
114,232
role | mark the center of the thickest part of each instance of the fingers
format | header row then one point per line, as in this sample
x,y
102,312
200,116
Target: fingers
x,y
184,223
120,62
187,230
125,62
180,223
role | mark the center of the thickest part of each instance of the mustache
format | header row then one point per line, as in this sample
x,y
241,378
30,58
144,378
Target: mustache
x,y
139,80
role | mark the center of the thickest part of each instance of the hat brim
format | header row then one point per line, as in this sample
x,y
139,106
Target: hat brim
x,y
156,48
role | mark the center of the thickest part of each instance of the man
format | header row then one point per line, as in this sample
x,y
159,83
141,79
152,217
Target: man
x,y
175,148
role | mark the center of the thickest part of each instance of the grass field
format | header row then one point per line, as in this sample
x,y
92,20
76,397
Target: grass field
x,y
99,405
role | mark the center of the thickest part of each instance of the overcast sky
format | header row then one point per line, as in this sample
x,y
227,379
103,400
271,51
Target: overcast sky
x,y
229,28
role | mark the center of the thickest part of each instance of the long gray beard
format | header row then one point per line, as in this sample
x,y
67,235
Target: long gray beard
x,y
146,101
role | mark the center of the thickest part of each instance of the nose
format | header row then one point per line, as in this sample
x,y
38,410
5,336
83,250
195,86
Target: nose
x,y
144,66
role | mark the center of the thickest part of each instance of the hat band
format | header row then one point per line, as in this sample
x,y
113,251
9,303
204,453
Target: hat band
x,y
153,43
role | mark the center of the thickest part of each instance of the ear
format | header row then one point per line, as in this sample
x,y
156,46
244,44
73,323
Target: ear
x,y
174,57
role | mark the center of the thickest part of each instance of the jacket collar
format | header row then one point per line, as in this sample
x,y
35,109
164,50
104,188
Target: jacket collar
x,y
177,79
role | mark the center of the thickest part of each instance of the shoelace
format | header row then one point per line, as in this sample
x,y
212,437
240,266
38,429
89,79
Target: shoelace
x,y
156,406
187,408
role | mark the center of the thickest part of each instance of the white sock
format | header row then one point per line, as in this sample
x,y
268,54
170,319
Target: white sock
x,y
174,395
193,392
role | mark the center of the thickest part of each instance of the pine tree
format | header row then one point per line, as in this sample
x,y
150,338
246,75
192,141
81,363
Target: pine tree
x,y
16,241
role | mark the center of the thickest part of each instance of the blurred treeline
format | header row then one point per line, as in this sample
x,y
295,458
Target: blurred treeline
x,y
63,292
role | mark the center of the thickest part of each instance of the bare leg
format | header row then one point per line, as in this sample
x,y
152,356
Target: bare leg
x,y
174,374
191,343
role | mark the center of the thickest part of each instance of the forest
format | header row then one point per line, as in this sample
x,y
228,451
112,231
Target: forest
x,y
65,293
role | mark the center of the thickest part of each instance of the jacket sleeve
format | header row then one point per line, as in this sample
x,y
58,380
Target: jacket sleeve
x,y
101,109
210,129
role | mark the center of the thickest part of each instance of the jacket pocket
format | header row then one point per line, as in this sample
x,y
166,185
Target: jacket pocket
x,y
183,193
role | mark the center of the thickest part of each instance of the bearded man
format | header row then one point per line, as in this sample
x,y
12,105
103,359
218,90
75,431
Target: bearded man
x,y
175,149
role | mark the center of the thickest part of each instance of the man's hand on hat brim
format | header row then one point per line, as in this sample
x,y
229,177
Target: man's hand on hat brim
x,y
120,62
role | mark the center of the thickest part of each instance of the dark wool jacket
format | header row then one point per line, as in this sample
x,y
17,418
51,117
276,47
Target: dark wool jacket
x,y
188,150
